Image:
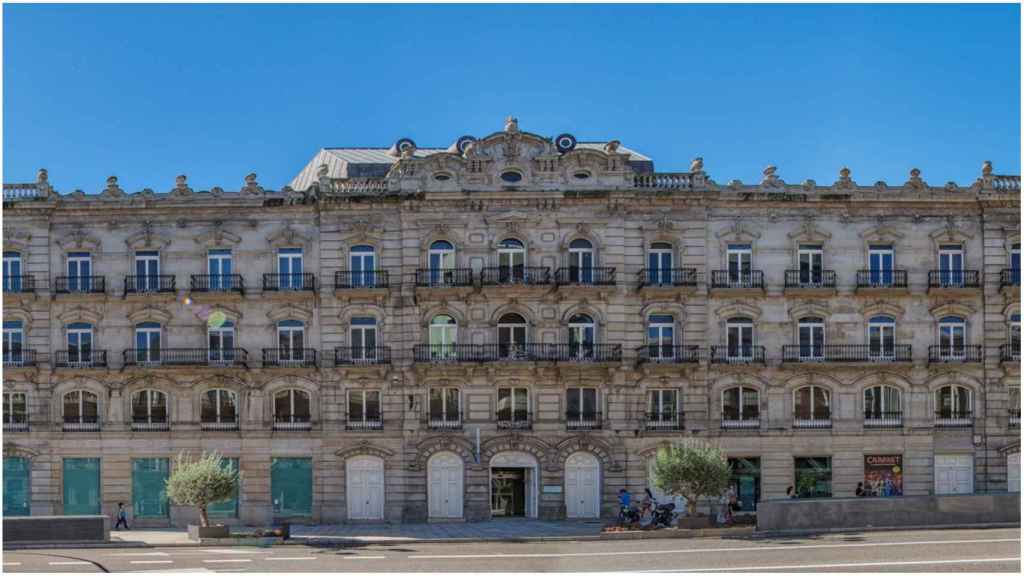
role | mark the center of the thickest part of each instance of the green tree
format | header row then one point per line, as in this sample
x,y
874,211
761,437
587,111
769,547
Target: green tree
x,y
201,482
691,470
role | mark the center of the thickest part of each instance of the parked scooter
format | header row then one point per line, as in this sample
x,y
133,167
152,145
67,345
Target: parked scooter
x,y
628,516
664,515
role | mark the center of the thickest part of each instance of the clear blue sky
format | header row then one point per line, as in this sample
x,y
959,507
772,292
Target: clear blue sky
x,y
148,92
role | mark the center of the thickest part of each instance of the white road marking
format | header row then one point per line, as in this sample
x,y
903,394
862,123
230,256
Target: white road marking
x,y
230,551
12,563
224,560
151,562
703,550
841,565
139,554
366,557
70,563
292,558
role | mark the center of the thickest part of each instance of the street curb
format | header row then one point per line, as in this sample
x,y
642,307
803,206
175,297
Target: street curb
x,y
846,530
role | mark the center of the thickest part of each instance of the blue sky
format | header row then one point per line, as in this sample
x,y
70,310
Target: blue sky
x,y
218,91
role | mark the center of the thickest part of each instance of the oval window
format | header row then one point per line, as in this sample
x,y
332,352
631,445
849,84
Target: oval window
x,y
511,176
442,177
581,175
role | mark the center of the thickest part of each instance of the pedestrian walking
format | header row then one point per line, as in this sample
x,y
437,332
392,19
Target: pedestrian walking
x,y
122,517
790,493
859,492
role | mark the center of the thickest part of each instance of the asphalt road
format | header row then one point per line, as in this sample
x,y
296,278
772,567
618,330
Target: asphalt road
x,y
992,550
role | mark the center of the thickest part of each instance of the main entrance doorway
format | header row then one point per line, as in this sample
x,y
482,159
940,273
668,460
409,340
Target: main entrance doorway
x,y
746,482
582,486
514,477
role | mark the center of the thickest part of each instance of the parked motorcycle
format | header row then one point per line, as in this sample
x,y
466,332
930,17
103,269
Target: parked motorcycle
x,y
628,516
664,515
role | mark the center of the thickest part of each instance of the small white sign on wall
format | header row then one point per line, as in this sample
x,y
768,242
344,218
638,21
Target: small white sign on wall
x,y
552,488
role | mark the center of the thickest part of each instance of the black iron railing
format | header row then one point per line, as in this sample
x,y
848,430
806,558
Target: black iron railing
x,y
81,423
1009,352
1014,414
515,276
745,421
444,277
810,279
19,357
369,422
451,353
219,425
20,284
1009,277
954,279
847,353
878,419
593,276
668,354
151,284
445,421
953,418
583,420
735,279
518,352
80,359
817,421
572,352
289,358
150,424
80,284
217,283
360,355
737,355
514,420
666,277
355,279
667,420
881,279
288,422
955,354
169,357
16,423
297,282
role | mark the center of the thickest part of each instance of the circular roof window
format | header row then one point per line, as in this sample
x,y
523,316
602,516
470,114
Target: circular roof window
x,y
581,175
511,176
442,176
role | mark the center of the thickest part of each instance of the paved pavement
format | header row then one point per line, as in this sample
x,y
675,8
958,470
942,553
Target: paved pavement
x,y
977,550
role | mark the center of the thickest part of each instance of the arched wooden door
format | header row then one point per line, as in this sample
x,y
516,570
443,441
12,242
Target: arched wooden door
x,y
444,485
582,486
364,487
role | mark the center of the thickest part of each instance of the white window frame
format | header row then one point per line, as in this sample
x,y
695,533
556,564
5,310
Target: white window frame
x,y
668,412
81,392
148,282
290,280
742,255
148,359
445,417
10,337
294,355
360,274
812,417
660,275
8,409
883,327
579,391
359,350
76,281
13,270
948,327
513,348
948,256
514,393
217,355
740,325
443,337
217,406
881,276
656,348
578,333
886,393
149,406
955,408
291,406
816,351
814,255
743,420
363,394
79,332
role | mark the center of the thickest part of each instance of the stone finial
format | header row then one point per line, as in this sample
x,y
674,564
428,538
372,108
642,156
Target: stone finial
x,y
844,173
986,168
845,181
42,176
697,165
112,182
915,181
112,190
511,124
250,179
770,179
180,181
322,171
612,146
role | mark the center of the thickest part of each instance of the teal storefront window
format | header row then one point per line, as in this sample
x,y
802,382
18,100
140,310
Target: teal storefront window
x,y
81,486
228,509
17,494
149,487
291,486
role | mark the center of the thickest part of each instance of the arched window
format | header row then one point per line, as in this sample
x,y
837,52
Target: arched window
x,y
882,406
583,410
1012,347
739,339
81,410
582,336
149,407
811,406
581,262
511,261
511,336
952,338
147,343
741,407
659,264
290,341
441,263
14,343
953,405
79,339
15,411
882,338
221,338
443,336
661,336
362,267
811,335
219,409
291,406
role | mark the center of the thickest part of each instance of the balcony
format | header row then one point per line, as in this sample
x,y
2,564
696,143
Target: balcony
x,y
1013,412
668,278
883,420
663,421
444,278
738,355
514,420
953,419
955,354
950,281
1009,278
595,276
16,423
147,425
80,359
83,424
289,283
846,353
361,280
663,181
1010,353
582,421
289,358
362,355
19,358
368,423
515,276
292,423
662,354
445,422
810,282
738,283
451,353
584,353
219,426
22,284
736,422
80,285
217,283
509,352
153,284
185,357
816,422
882,281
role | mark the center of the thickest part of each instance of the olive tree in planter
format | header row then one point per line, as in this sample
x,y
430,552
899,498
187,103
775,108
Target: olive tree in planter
x,y
693,470
201,482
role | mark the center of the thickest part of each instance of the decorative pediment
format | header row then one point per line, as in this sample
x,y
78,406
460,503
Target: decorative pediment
x,y
217,236
81,314
881,234
961,309
15,239
951,233
288,236
881,308
736,308
220,310
809,309
18,313
809,233
738,233
290,312
363,231
147,238
78,239
150,313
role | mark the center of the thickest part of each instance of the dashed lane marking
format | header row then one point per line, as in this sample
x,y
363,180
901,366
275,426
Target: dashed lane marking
x,y
12,563
70,563
842,565
292,558
366,557
151,561
226,560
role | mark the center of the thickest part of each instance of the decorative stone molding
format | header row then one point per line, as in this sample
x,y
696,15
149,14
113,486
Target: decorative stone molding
x,y
147,238
81,314
150,313
587,443
808,233
288,236
251,187
438,443
951,233
845,182
16,312
881,234
16,240
769,179
915,183
13,450
737,233
78,239
290,312
364,448
809,309
881,308
112,191
181,189
960,309
217,236
515,442
736,308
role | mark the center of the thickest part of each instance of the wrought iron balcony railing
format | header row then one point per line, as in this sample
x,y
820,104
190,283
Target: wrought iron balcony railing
x,y
819,421
219,425
445,421
81,424
882,279
16,423
362,355
583,420
289,358
1014,417
367,423
80,285
954,279
451,353
810,279
738,355
585,352
734,279
593,276
294,282
80,359
1009,352
515,276
668,354
514,420
172,357
356,279
886,420
954,419
292,422
734,421
444,277
217,283
150,425
667,277
519,352
19,284
847,353
19,357
664,421
152,284
1009,277
955,354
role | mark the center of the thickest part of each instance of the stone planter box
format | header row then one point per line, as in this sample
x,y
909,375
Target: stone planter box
x,y
199,533
694,522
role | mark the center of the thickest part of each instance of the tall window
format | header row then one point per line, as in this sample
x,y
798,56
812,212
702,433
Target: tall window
x,y
441,260
81,407
511,260
222,343
952,337
12,272
812,338
147,271
740,260
79,335
581,261
219,406
1014,402
581,404
79,272
364,407
289,268
741,404
581,336
443,335
149,407
882,403
513,406
15,408
511,336
290,338
951,265
1015,264
659,264
445,405
813,477
362,262
363,338
880,264
291,406
953,403
219,266
663,405
882,338
661,337
811,257
811,403
147,343
14,342
739,338
1012,338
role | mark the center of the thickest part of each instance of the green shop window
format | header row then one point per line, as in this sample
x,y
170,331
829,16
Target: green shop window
x,y
813,477
149,487
291,486
228,508
81,486
16,486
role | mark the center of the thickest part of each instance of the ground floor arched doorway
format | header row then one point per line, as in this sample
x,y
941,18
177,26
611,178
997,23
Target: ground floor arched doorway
x,y
514,485
444,485
582,486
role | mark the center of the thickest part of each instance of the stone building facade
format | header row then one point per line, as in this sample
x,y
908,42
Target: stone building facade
x,y
509,326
